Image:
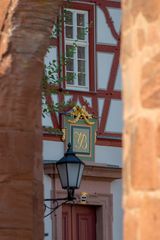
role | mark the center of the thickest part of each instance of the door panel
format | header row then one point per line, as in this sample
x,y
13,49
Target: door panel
x,y
79,222
66,223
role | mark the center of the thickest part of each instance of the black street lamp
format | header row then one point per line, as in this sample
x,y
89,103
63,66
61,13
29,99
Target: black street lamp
x,y
70,170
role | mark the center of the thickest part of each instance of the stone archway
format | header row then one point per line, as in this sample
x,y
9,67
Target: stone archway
x,y
24,37
25,27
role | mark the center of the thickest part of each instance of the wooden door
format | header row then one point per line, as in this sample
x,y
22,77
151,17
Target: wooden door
x,y
79,222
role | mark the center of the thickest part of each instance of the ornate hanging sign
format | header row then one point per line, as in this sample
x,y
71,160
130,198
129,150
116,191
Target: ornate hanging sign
x,y
80,131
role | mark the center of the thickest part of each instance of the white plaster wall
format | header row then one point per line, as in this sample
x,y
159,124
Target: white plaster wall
x,y
100,108
104,63
53,150
115,14
47,220
115,121
116,189
108,155
67,97
103,32
89,100
46,121
51,55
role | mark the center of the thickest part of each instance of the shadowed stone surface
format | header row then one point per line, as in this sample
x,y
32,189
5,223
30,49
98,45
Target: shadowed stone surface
x,y
24,37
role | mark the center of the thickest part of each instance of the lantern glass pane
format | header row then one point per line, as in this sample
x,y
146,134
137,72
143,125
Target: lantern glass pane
x,y
80,175
62,170
73,173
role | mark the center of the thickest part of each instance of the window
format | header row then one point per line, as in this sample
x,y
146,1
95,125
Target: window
x,y
76,49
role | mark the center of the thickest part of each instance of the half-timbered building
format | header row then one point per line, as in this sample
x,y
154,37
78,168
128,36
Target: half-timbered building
x,y
91,81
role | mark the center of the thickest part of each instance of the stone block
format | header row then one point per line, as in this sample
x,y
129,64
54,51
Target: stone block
x,y
38,209
16,201
19,153
131,225
4,5
16,234
133,200
18,109
158,140
22,206
150,83
149,9
142,153
149,220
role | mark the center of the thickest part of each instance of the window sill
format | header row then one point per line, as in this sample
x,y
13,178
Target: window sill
x,y
77,88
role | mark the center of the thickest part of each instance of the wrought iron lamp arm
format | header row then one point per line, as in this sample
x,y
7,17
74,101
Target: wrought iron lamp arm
x,y
69,198
55,199
53,209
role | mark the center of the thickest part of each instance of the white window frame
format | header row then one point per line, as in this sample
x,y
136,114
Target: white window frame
x,y
81,43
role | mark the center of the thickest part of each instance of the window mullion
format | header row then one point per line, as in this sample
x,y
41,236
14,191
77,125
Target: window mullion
x,y
75,55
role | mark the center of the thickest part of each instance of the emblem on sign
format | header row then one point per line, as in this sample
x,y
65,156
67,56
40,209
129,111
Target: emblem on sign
x,y
81,141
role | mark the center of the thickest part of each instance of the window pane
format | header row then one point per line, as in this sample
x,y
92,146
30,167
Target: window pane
x,y
70,78
70,64
80,20
81,33
81,52
70,50
81,66
69,32
68,17
81,79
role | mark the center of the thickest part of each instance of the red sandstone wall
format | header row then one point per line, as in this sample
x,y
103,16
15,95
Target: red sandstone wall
x,y
141,84
24,28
